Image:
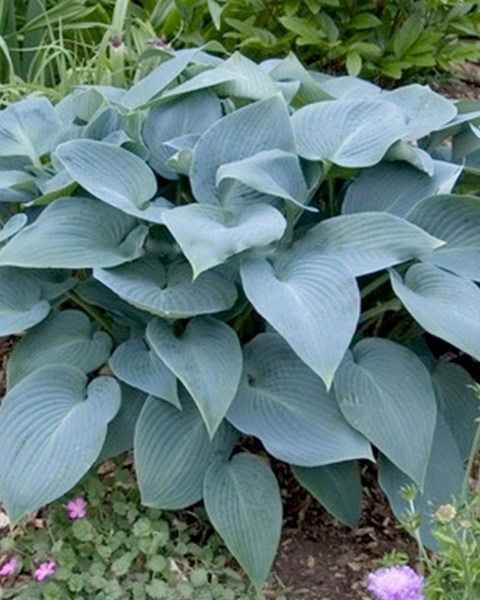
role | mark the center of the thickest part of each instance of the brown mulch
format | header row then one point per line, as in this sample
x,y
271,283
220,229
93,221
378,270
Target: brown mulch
x,y
321,559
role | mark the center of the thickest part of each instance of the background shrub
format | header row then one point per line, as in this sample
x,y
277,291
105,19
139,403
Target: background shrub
x,y
45,43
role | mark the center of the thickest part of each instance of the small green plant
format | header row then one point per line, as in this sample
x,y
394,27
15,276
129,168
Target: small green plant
x,y
226,248
103,546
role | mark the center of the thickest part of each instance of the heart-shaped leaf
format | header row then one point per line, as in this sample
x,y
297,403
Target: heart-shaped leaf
x,y
108,172
136,364
264,125
76,233
311,300
52,428
368,242
348,133
206,358
22,303
396,413
67,337
192,114
272,172
29,128
156,81
173,451
444,304
171,294
282,402
456,220
209,235
424,110
243,502
397,188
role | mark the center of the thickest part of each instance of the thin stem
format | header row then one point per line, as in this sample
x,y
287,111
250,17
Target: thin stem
x,y
375,284
379,310
92,312
471,459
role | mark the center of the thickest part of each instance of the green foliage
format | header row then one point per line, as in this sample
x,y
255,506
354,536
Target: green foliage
x,y
225,249
54,46
390,40
121,550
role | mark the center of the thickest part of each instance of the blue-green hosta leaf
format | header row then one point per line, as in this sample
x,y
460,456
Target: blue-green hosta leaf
x,y
58,186
243,502
136,364
458,403
443,482
350,87
202,81
209,235
253,82
29,128
95,293
22,303
121,430
17,186
337,487
311,300
109,172
424,110
282,402
456,220
171,294
465,143
13,226
291,69
368,242
67,337
396,413
75,233
397,188
348,133
402,151
206,358
192,114
444,304
272,172
53,426
173,451
156,81
53,282
263,125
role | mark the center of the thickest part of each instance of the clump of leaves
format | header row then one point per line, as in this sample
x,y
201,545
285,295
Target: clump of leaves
x,y
395,39
120,550
250,249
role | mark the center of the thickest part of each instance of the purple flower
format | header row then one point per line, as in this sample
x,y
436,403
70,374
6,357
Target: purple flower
x,y
396,583
77,509
45,570
8,567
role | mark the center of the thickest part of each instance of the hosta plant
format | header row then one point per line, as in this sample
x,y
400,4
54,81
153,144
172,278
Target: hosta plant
x,y
229,249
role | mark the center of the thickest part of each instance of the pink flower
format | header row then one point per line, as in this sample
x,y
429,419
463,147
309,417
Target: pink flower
x,y
8,568
45,570
77,509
